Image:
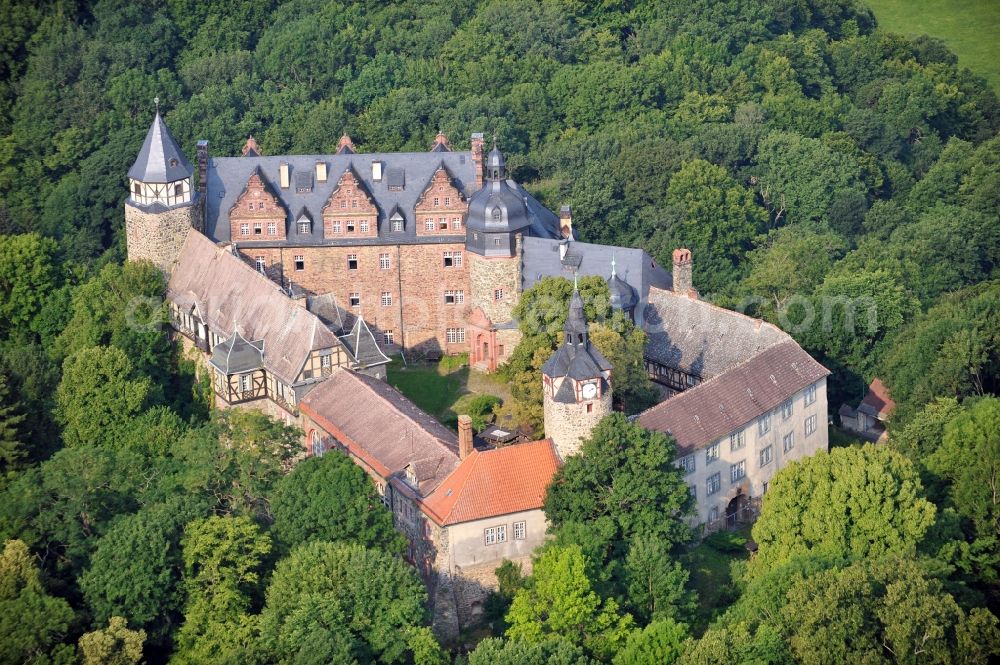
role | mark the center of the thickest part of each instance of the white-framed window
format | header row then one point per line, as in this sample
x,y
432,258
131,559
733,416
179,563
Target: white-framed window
x,y
455,335
343,203
786,409
258,229
519,530
498,294
397,225
326,361
383,261
364,227
443,223
428,225
350,227
687,464
456,223
244,229
454,297
712,484
272,229
766,455
245,383
386,299
336,227
448,258
387,337
261,263
810,394
764,424
437,202
738,471
713,514
304,227
712,453
456,258
495,534
300,262
788,441
810,425
352,261
355,299
737,440
447,202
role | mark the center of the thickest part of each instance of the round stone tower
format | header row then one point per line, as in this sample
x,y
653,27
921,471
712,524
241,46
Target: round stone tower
x,y
576,385
163,205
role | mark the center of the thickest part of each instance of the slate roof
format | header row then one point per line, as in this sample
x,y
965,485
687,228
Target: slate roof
x,y
731,400
361,344
494,482
700,338
231,296
634,266
228,176
379,425
877,402
160,160
237,355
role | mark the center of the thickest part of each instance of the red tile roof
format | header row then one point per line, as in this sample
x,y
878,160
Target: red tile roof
x,y
494,482
877,402
379,425
728,401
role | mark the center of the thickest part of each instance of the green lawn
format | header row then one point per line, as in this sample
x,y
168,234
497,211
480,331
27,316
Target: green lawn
x,y
437,387
709,565
971,28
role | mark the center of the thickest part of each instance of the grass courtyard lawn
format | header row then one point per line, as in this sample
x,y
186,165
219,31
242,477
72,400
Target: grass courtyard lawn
x,y
970,28
436,387
709,564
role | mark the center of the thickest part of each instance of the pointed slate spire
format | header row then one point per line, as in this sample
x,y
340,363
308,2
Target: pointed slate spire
x,y
161,159
576,320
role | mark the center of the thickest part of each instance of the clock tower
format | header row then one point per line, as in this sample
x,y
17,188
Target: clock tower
x,y
576,384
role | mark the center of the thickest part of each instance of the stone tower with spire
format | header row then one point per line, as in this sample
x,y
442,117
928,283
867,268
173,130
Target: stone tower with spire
x,y
163,203
576,384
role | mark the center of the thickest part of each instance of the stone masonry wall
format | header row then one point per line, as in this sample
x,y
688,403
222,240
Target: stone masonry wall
x,y
569,424
159,236
486,275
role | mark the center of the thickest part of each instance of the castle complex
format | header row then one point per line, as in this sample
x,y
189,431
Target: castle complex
x,y
295,278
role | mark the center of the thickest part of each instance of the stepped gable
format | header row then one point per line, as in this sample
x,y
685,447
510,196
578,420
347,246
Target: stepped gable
x,y
231,296
494,482
700,415
700,338
383,428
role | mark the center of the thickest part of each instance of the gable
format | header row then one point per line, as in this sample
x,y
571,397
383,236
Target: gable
x,y
350,197
257,202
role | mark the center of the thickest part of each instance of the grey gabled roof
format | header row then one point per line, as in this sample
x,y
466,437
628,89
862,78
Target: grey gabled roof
x,y
161,159
237,355
361,344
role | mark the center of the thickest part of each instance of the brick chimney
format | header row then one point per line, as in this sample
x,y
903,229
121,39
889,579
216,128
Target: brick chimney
x,y
464,436
682,273
201,156
477,158
566,222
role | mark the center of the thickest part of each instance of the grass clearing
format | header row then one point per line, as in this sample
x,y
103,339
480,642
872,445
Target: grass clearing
x,y
710,564
970,28
438,388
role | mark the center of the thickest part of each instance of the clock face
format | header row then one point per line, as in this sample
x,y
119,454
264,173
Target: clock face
x,y
590,391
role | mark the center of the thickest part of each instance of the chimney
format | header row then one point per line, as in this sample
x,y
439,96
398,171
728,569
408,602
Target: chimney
x,y
566,222
320,171
563,246
477,158
283,174
376,171
464,436
201,155
682,273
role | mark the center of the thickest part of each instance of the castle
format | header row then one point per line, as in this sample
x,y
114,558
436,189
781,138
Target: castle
x,y
295,277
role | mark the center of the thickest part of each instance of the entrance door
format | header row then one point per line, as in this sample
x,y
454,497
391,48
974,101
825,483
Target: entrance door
x,y
736,510
486,350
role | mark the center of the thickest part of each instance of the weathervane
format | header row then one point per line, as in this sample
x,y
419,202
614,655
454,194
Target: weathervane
x,y
612,265
156,100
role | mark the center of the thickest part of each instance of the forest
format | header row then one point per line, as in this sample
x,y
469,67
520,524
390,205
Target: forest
x,y
818,167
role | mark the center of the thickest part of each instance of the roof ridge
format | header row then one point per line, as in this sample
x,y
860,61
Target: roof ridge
x,y
760,323
474,456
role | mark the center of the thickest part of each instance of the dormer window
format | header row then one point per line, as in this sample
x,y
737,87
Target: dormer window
x,y
304,225
397,225
496,214
173,162
137,189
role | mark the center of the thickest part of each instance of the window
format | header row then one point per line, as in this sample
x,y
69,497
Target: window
x,y
326,361
397,225
457,259
498,294
713,484
737,471
245,383
300,262
364,227
764,424
737,440
350,227
428,225
260,263
386,299
788,441
179,189
354,203
810,395
343,203
137,189
786,410
693,491
317,445
355,299
383,261
810,425
447,202
336,227
244,229
456,223
454,297
590,408
449,259
766,455
443,223
257,229
686,463
765,488
713,514
303,227
496,242
437,202
250,207
260,206
519,530
495,534
455,335
272,229
712,453
387,337
352,261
